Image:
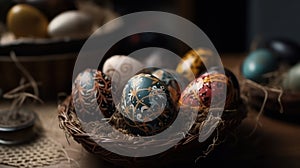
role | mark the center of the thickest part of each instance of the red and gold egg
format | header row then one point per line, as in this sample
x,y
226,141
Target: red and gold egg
x,y
198,94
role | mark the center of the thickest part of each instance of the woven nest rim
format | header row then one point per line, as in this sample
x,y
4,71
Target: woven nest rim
x,y
71,125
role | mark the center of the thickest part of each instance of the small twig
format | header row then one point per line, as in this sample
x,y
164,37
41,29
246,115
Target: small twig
x,y
254,84
13,93
25,73
18,94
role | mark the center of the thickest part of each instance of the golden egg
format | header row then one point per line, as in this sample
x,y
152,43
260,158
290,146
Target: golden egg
x,y
193,63
27,21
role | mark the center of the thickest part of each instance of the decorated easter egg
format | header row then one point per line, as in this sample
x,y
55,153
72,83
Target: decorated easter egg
x,y
120,69
198,94
257,64
286,50
27,21
72,24
91,92
147,106
193,63
170,79
291,80
232,79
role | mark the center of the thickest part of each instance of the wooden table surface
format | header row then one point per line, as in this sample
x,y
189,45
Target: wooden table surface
x,y
274,144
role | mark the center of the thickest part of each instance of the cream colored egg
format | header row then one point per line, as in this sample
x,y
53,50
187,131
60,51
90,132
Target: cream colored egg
x,y
73,24
120,68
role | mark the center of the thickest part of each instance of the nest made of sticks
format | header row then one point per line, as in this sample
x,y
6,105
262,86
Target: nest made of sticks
x,y
96,132
270,98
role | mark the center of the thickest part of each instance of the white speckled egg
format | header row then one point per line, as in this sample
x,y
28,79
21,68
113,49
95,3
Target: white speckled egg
x,y
73,24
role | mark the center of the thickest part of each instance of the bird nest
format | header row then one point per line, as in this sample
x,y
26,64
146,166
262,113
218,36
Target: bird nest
x,y
271,100
94,132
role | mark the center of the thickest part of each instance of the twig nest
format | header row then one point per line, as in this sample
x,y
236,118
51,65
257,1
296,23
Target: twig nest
x,y
91,93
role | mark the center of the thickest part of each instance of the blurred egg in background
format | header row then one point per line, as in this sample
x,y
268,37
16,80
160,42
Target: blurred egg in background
x,y
286,50
50,8
258,63
27,21
291,80
71,24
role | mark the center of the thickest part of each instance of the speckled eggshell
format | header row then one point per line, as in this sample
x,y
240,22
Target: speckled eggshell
x,y
71,24
193,63
198,93
92,90
146,105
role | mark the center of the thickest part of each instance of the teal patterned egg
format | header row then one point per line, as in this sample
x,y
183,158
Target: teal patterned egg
x,y
146,105
169,78
170,81
91,92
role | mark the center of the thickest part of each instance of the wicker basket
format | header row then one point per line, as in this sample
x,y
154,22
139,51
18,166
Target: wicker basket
x,y
49,61
182,152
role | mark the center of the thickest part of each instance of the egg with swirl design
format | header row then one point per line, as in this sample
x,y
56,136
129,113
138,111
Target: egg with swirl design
x,y
146,106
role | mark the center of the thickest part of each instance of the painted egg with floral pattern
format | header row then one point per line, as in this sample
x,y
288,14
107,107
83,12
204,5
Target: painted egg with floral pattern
x,y
169,78
91,92
146,105
198,93
232,81
193,63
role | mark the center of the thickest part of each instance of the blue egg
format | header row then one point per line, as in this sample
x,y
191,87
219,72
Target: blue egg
x,y
258,63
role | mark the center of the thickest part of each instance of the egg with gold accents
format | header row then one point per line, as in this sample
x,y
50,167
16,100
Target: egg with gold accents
x,y
198,93
91,93
193,63
120,69
27,21
146,105
171,83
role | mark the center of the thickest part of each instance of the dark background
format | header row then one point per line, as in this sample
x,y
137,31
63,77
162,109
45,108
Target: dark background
x,y
231,25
